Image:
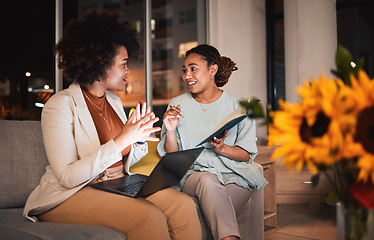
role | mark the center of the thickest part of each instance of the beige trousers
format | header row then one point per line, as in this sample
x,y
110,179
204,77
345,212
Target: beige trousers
x,y
220,204
167,214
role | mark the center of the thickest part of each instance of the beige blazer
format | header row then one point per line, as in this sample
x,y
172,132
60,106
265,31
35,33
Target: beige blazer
x,y
73,149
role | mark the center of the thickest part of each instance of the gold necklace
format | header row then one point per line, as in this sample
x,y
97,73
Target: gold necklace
x,y
101,113
93,104
204,109
210,103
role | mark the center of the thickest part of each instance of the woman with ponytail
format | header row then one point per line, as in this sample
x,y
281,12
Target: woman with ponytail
x,y
224,175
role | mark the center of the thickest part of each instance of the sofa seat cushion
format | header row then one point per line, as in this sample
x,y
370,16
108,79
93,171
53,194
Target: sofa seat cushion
x,y
14,226
148,162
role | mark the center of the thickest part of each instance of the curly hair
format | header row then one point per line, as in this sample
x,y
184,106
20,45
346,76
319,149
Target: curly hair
x,y
210,54
88,46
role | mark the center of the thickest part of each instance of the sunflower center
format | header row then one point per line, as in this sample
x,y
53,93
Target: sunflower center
x,y
365,129
318,129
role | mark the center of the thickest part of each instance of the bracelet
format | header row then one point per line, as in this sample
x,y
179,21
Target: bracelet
x,y
141,143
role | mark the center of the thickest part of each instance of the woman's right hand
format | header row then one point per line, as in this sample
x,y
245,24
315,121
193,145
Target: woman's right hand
x,y
171,118
137,129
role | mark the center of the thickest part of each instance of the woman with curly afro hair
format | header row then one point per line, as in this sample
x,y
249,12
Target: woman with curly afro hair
x,y
88,139
224,175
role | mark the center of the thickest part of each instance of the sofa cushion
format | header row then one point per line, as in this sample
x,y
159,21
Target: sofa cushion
x,y
22,161
14,226
7,233
148,162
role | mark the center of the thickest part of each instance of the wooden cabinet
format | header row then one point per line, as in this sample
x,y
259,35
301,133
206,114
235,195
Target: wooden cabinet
x,y
286,187
296,187
270,204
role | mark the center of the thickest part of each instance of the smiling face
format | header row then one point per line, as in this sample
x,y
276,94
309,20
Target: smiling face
x,y
117,73
197,74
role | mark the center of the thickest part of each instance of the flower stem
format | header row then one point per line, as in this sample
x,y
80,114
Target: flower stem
x,y
341,188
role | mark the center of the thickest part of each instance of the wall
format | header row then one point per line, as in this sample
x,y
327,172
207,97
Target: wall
x,y
310,46
310,41
238,30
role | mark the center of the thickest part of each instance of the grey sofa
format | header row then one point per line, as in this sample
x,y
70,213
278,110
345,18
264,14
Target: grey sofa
x,y
23,162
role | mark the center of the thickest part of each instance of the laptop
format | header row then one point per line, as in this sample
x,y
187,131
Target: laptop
x,y
169,171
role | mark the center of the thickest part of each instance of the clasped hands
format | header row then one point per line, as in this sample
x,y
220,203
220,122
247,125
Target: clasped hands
x,y
138,128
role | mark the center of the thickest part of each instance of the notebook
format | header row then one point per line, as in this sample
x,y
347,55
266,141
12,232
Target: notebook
x,y
227,123
168,172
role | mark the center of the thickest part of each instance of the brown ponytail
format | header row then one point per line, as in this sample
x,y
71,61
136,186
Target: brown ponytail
x,y
225,71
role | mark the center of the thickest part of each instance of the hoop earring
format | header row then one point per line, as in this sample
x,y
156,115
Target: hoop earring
x,y
107,80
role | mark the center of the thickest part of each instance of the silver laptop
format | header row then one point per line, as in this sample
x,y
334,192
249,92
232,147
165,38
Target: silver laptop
x,y
168,172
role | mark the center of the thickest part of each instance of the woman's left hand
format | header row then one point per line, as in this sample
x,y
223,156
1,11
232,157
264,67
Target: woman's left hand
x,y
138,128
219,143
231,152
141,112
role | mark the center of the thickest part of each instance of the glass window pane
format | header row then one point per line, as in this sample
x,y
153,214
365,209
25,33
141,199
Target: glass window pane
x,y
355,29
275,51
27,61
279,90
177,25
133,10
176,31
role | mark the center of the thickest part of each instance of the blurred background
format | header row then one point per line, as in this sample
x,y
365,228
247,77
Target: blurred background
x,y
274,42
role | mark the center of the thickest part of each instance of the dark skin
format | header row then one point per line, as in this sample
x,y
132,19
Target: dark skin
x,y
139,127
200,78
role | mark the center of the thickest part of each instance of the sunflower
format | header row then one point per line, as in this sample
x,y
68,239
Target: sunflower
x,y
311,133
332,127
363,136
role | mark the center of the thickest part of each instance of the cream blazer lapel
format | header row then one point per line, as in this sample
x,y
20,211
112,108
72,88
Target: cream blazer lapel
x,y
118,108
85,120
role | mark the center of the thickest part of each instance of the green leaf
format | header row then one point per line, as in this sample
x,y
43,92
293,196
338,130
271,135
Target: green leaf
x,y
315,180
269,119
335,72
359,65
332,197
343,61
253,107
343,58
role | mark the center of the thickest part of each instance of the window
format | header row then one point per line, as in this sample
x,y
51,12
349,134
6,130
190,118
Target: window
x,y
30,30
275,52
355,29
27,61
